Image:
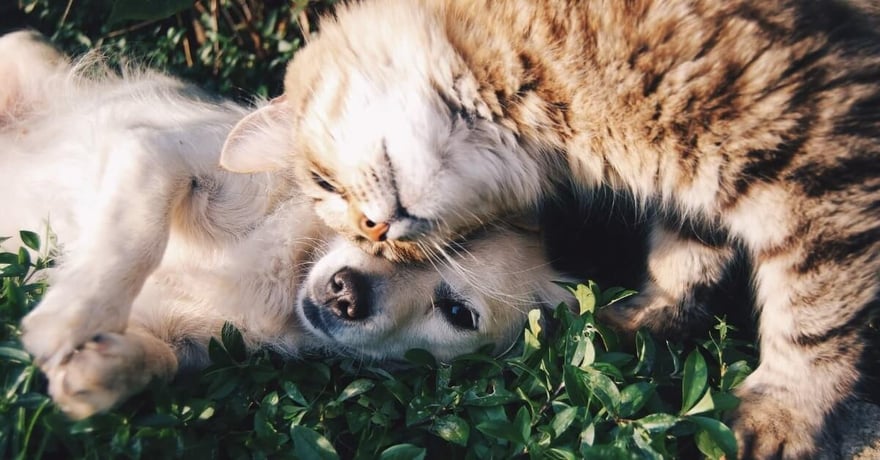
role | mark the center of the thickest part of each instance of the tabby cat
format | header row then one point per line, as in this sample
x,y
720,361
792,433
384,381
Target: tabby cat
x,y
748,123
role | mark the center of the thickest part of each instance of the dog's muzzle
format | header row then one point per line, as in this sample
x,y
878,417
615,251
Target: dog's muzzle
x,y
343,302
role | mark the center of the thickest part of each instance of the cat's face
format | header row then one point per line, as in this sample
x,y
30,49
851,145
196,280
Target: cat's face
x,y
397,152
400,176
398,171
366,306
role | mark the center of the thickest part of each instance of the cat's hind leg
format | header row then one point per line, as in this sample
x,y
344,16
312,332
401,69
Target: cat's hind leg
x,y
816,296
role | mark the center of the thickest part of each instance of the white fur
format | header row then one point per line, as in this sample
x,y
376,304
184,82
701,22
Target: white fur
x,y
159,246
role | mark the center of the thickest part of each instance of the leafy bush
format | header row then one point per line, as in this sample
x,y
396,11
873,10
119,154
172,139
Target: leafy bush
x,y
577,392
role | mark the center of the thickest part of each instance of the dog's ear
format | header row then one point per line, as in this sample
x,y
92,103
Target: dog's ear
x,y
28,61
526,222
261,141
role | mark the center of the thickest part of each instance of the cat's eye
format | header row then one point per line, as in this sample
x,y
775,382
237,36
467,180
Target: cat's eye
x,y
456,311
323,183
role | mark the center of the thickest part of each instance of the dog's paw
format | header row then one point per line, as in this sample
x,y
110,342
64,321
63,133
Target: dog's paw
x,y
63,322
765,428
101,373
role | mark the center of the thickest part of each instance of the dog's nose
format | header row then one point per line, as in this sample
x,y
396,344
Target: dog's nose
x,y
348,295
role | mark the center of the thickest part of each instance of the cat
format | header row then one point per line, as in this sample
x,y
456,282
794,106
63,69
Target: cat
x,y
740,122
158,247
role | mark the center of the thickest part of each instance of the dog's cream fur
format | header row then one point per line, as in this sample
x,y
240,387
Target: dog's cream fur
x,y
159,246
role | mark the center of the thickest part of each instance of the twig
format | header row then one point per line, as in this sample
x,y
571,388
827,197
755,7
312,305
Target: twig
x,y
66,12
130,28
187,51
215,24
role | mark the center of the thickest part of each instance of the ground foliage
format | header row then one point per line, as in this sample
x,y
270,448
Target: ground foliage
x,y
237,48
575,391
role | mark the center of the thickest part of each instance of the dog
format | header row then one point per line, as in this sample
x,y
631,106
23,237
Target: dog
x,y
158,247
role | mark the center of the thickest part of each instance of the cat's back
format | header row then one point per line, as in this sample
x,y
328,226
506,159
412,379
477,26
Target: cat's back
x,y
666,96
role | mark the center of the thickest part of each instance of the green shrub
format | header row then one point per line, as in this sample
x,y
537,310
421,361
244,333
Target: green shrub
x,y
574,393
236,48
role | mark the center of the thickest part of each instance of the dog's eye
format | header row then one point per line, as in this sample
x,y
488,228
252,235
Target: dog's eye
x,y
323,183
458,314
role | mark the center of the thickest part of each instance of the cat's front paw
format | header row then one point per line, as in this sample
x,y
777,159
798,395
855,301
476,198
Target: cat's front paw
x,y
98,375
765,428
663,315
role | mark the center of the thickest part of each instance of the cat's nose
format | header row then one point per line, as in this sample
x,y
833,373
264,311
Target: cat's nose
x,y
374,231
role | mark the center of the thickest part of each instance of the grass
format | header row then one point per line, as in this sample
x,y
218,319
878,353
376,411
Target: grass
x,y
576,392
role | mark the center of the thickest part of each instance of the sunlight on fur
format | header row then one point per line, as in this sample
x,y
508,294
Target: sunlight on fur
x,y
159,246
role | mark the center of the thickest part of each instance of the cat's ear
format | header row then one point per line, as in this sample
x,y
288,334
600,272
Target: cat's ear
x,y
261,141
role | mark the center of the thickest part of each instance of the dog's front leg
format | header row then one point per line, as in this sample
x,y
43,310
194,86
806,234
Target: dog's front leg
x,y
125,230
107,370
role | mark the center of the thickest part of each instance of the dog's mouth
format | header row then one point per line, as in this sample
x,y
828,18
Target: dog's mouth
x,y
314,314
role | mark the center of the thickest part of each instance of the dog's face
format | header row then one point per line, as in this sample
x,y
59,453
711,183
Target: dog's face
x,y
365,306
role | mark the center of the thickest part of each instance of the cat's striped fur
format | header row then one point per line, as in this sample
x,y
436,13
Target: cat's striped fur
x,y
759,120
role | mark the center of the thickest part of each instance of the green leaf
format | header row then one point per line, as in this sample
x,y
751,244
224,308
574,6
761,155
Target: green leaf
x,y
563,419
24,257
592,383
358,387
523,422
586,299
658,423
735,374
292,391
716,437
498,396
8,258
217,353
308,443
403,452
633,397
15,355
555,453
608,452
588,435
452,428
532,342
145,10
705,404
584,352
693,384
30,239
233,342
616,294
646,351
501,429
421,357
724,401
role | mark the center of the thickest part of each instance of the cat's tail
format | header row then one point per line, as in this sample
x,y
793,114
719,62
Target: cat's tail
x,y
28,63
